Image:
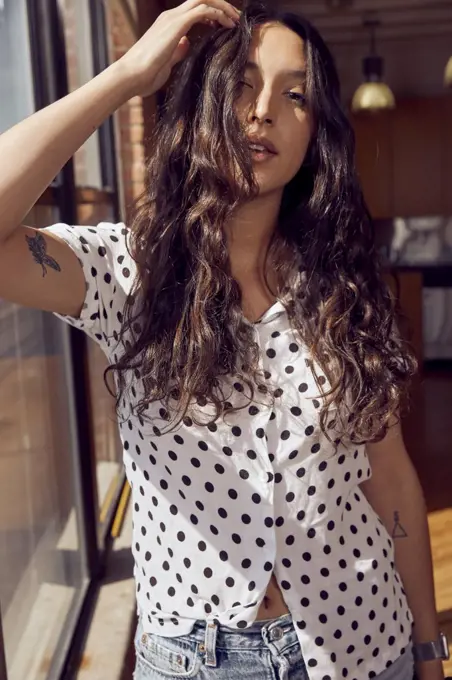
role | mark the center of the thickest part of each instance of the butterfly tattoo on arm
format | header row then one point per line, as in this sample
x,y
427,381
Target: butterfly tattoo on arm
x,y
38,248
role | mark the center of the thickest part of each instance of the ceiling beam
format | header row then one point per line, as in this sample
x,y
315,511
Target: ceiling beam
x,y
315,8
390,20
359,35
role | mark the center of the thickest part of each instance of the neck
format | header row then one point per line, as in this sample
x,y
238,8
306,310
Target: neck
x,y
248,235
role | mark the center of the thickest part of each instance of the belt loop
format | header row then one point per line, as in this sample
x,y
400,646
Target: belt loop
x,y
210,642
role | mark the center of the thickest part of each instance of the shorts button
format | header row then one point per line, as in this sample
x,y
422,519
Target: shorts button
x,y
277,633
144,638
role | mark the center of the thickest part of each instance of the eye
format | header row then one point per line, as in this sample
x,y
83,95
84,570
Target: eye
x,y
298,98
243,83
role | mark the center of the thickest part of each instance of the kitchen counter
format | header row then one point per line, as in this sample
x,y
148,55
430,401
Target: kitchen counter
x,y
433,275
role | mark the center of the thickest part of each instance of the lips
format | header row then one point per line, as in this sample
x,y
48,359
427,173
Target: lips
x,y
264,142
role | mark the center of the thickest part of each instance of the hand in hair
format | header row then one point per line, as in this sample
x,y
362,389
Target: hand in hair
x,y
150,60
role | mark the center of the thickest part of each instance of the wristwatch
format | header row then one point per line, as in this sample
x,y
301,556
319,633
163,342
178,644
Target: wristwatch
x,y
434,649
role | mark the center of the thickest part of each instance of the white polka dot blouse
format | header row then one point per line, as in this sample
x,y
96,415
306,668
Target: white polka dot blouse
x,y
217,509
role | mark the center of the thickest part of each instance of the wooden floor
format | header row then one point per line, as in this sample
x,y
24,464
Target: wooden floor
x,y
428,435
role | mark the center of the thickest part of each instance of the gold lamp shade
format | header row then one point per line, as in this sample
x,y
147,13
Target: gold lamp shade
x,y
373,94
448,74
372,97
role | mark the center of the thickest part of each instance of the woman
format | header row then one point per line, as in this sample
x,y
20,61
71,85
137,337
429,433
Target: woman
x,y
259,376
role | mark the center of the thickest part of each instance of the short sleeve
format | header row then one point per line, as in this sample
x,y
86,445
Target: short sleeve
x,y
109,273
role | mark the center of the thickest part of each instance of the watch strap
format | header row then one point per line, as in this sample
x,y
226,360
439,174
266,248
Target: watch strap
x,y
433,649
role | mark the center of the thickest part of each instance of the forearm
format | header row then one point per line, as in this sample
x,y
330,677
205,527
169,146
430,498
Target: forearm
x,y
401,506
34,151
405,517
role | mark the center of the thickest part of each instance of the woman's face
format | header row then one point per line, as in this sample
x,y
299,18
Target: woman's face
x,y
272,106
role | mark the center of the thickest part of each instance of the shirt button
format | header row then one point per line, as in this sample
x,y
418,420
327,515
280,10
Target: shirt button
x,y
277,633
144,638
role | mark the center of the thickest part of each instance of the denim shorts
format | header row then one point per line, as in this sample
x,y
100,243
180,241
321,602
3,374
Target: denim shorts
x,y
267,650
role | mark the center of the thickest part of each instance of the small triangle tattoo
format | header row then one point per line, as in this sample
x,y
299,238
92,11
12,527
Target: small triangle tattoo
x,y
398,530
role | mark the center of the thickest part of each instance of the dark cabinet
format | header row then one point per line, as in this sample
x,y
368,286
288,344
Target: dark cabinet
x,y
374,158
404,158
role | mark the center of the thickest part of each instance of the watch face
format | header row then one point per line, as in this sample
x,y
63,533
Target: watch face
x,y
445,646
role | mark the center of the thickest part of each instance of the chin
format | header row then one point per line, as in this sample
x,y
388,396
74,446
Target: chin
x,y
270,181
269,185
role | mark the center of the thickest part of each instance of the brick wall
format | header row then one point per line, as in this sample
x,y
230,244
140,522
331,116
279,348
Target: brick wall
x,y
67,9
129,118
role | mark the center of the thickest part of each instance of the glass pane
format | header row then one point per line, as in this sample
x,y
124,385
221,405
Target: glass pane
x,y
106,436
108,450
16,79
79,52
41,569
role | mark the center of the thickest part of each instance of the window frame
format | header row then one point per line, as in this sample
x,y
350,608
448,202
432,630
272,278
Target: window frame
x,y
107,135
50,82
3,671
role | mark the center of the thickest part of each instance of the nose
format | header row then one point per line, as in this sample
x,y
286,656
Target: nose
x,y
261,109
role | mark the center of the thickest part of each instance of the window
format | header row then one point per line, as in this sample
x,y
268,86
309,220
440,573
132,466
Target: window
x,y
79,54
16,80
48,547
41,552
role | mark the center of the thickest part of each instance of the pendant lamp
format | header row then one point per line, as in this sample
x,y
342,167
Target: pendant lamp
x,y
373,94
448,74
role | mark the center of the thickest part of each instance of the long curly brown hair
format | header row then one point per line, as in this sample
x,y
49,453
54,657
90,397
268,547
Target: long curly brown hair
x,y
183,328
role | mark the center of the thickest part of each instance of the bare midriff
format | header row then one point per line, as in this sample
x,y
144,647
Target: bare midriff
x,y
273,604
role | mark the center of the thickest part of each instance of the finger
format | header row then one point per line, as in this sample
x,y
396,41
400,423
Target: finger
x,y
225,7
230,9
213,23
181,51
204,13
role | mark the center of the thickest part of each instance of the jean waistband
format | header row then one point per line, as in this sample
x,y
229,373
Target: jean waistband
x,y
224,633
279,631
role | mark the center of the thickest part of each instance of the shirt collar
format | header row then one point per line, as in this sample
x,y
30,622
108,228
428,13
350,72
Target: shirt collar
x,y
271,313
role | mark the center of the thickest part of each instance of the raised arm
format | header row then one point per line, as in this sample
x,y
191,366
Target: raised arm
x,y
37,269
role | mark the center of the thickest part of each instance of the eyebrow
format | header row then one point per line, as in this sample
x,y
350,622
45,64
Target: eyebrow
x,y
300,74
